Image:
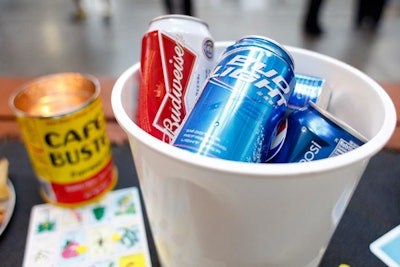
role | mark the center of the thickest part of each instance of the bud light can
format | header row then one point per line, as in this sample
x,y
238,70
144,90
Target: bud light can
x,y
314,134
176,58
243,101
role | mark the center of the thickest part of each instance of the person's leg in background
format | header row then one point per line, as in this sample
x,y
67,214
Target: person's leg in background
x,y
377,12
179,7
168,6
107,10
79,10
311,19
187,7
369,13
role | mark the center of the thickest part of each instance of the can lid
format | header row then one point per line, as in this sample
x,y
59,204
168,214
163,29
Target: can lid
x,y
55,95
181,17
338,122
279,48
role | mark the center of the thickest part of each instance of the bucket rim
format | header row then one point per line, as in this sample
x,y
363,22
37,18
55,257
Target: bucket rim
x,y
361,154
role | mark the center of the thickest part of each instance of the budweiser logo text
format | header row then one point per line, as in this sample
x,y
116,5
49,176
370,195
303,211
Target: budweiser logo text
x,y
173,68
177,63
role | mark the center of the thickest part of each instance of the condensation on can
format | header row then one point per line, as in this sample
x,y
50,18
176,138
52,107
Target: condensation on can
x,y
64,130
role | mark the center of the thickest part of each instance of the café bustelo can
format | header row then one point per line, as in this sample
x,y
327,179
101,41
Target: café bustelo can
x,y
313,133
63,126
242,104
176,58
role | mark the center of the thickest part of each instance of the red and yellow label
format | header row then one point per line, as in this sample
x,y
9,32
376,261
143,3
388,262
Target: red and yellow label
x,y
71,154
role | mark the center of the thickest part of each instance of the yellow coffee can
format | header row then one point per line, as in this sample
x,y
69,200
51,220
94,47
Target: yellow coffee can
x,y
62,123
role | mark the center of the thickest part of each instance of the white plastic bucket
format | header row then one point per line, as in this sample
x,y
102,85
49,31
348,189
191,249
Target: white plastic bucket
x,y
218,213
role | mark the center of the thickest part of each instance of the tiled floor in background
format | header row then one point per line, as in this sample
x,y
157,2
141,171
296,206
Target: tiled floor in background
x,y
39,37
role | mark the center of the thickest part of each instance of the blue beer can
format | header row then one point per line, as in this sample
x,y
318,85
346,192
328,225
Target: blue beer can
x,y
242,102
309,88
313,133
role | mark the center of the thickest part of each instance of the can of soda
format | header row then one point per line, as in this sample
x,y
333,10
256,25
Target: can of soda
x,y
278,140
62,123
313,133
309,88
243,101
176,58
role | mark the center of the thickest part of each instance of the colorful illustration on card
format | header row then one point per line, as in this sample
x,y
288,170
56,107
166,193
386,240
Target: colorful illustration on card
x,y
100,243
71,218
99,212
43,254
46,223
73,247
137,260
125,205
127,237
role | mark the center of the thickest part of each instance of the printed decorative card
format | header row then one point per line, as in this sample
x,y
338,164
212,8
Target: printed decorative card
x,y
108,233
387,247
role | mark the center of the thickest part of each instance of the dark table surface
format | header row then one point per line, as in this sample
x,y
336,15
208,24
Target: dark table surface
x,y
373,210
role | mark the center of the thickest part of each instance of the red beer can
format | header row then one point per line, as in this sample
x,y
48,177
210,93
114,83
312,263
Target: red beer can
x,y
176,58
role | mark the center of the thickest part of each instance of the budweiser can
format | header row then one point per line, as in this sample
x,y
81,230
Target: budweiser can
x,y
176,58
63,126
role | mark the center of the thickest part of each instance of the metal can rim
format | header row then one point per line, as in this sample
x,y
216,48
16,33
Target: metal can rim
x,y
338,122
179,16
291,63
25,87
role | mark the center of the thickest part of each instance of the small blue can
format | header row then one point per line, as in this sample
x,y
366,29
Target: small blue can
x,y
309,88
242,103
314,134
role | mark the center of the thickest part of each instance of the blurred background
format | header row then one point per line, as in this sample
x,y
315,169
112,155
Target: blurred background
x,y
47,36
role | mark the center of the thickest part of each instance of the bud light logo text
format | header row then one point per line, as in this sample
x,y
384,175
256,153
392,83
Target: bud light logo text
x,y
179,61
250,69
